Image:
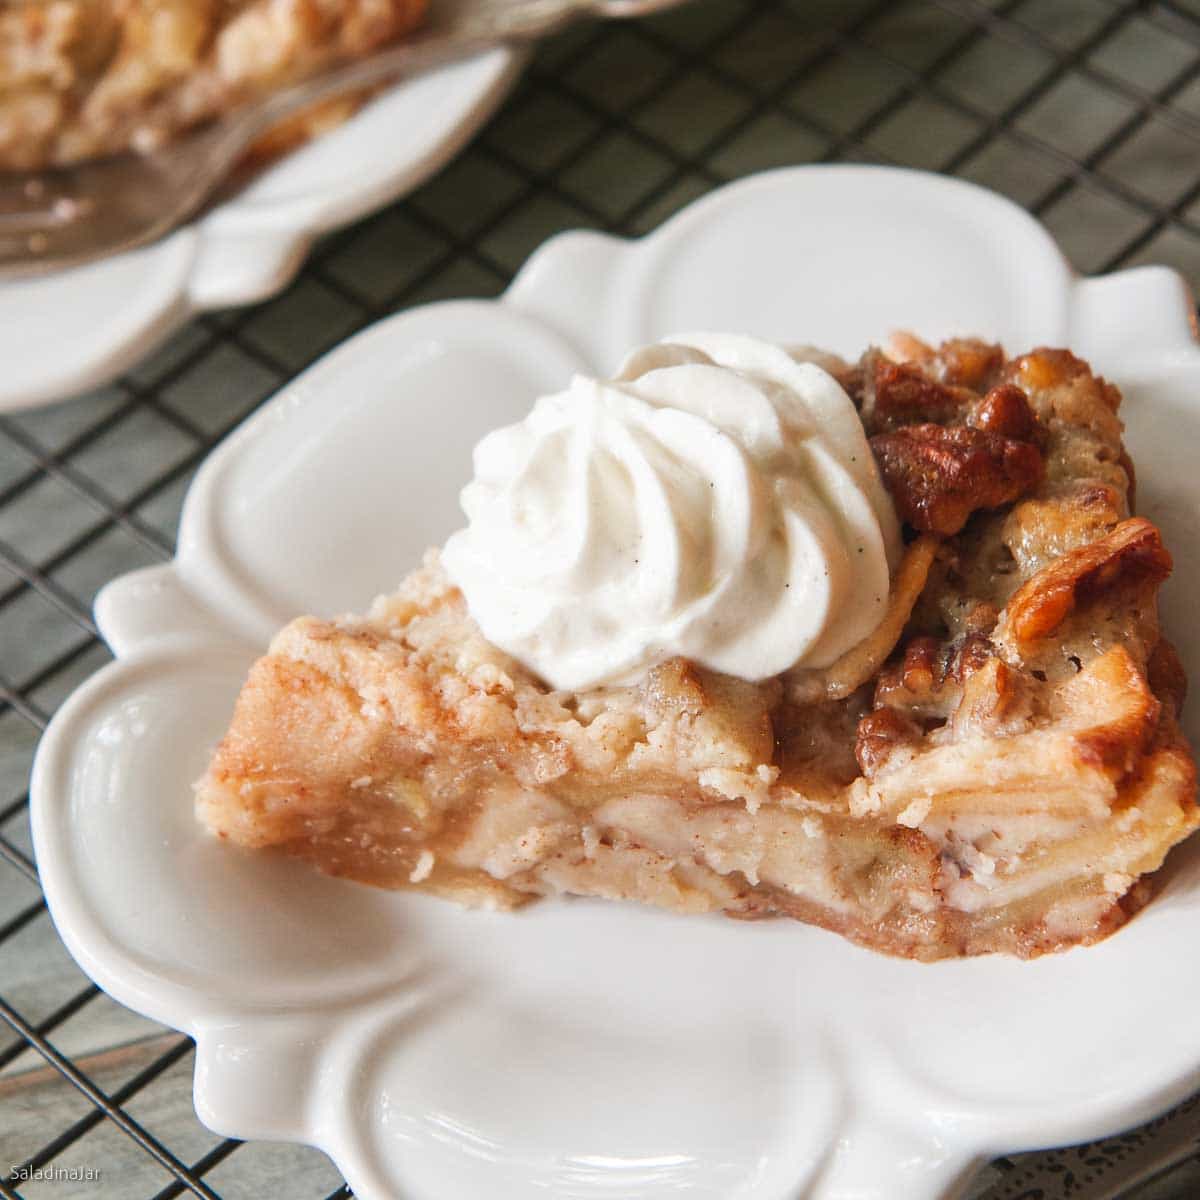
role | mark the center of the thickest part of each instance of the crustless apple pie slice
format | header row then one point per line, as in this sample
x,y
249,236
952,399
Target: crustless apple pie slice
x,y
990,760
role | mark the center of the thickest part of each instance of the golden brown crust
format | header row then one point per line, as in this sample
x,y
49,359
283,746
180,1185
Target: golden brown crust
x,y
999,768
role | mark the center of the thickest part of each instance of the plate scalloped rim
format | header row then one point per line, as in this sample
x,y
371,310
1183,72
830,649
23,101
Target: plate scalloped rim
x,y
79,329
877,1102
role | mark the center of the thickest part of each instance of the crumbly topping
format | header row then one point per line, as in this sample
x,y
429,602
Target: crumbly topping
x,y
88,77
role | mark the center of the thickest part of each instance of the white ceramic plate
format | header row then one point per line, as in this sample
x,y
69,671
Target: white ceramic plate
x,y
581,1050
74,330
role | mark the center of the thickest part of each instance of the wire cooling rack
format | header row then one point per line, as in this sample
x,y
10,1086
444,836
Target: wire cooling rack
x,y
1085,111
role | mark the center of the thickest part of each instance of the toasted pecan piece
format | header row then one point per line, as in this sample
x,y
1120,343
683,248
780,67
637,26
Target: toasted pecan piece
x,y
879,734
927,680
968,362
939,476
965,362
960,681
897,394
894,394
1047,367
1005,410
1131,553
995,699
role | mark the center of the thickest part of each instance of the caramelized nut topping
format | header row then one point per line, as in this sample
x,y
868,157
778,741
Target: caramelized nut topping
x,y
897,394
1131,553
1045,368
966,362
939,476
994,700
927,681
1005,410
879,734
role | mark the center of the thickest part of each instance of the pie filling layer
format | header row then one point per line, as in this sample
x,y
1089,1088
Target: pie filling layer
x,y
997,767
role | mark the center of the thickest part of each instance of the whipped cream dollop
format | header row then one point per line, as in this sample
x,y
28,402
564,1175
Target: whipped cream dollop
x,y
717,501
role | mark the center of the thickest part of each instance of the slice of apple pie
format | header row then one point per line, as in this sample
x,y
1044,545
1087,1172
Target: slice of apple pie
x,y
972,746
85,78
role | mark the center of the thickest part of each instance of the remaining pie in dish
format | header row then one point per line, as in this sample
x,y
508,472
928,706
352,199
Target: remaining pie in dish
x,y
996,766
84,78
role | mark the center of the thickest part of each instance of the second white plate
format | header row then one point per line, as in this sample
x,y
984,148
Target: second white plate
x,y
75,330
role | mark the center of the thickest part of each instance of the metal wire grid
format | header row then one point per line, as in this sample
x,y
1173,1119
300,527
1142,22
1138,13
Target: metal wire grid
x,y
1096,115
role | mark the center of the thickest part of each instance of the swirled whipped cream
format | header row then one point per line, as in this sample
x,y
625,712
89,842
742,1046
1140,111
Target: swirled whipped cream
x,y
717,501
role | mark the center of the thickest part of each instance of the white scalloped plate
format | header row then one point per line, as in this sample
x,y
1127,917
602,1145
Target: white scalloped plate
x,y
582,1050
77,329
